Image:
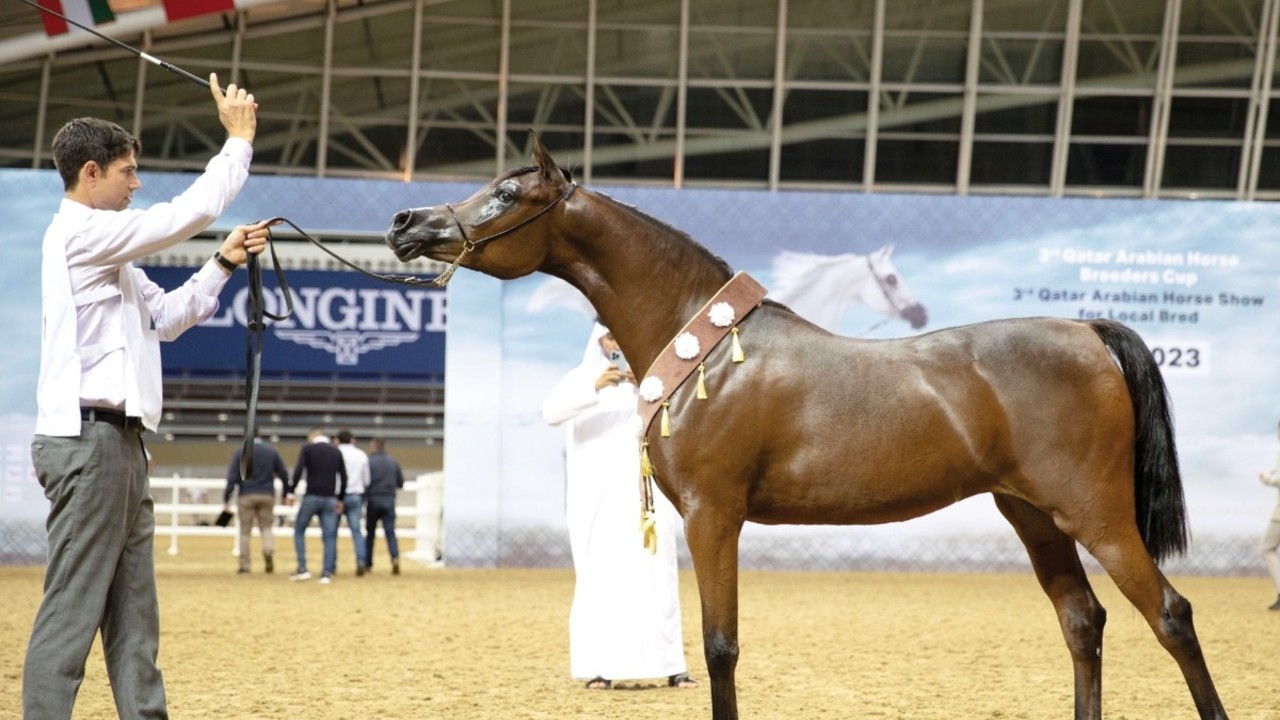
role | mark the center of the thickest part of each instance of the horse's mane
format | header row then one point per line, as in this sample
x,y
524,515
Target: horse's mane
x,y
674,232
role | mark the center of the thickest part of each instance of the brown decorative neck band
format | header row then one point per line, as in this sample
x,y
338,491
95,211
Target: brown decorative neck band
x,y
695,341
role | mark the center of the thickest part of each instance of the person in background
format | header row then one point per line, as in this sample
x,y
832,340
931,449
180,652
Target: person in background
x,y
320,464
1271,536
256,501
100,388
385,478
357,463
625,619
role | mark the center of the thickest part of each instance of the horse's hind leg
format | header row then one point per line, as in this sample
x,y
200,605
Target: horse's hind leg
x,y
1120,550
1057,566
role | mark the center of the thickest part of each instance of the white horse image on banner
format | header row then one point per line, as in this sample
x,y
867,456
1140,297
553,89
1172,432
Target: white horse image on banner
x,y
822,288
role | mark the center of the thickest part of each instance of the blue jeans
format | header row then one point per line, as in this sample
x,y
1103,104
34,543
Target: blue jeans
x,y
352,504
381,507
327,509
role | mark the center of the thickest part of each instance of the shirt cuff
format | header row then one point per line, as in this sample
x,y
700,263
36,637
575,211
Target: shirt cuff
x,y
210,278
238,149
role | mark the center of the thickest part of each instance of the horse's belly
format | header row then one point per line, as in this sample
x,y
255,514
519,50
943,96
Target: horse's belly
x,y
861,500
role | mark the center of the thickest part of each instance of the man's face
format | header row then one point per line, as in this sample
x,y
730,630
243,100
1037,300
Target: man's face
x,y
608,344
112,187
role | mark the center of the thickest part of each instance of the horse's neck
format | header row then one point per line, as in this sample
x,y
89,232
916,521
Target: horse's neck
x,y
645,279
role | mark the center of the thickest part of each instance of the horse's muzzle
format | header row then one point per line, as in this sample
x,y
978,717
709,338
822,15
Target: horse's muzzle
x,y
412,232
916,315
405,250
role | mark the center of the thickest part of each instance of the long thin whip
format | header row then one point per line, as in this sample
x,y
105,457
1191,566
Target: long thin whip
x,y
203,82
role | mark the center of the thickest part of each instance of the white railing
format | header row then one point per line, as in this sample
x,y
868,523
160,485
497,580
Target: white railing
x,y
183,509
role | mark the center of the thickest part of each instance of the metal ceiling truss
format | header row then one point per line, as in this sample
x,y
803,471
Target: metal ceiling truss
x,y
718,92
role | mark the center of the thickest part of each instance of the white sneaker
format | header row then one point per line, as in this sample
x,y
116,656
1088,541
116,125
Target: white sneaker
x,y
325,579
304,575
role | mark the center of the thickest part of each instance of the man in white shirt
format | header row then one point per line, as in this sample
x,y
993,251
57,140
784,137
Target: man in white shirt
x,y
357,464
100,388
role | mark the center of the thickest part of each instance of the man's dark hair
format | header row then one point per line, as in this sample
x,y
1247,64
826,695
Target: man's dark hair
x,y
344,436
85,139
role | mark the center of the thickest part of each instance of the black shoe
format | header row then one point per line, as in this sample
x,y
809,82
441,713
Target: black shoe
x,y
395,566
1275,605
243,571
361,570
268,566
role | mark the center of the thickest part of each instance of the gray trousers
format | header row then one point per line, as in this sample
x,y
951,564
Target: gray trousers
x,y
100,575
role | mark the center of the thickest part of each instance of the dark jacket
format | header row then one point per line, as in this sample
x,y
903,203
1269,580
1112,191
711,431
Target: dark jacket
x,y
384,475
267,466
326,473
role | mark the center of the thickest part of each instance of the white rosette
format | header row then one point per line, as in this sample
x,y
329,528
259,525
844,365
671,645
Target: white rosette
x,y
651,389
721,314
686,346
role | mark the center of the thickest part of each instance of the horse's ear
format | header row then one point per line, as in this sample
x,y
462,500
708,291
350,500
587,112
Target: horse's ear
x,y
546,164
887,250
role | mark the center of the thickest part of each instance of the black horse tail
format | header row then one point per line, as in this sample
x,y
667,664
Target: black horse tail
x,y
1157,483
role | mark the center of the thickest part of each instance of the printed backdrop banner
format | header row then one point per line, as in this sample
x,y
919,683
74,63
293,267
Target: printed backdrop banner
x,y
347,326
342,322
1198,279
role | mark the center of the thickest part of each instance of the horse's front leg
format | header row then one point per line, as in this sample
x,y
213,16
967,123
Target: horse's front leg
x,y
713,546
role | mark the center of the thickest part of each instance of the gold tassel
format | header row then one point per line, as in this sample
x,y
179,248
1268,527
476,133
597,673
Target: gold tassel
x,y
702,387
666,421
646,465
737,348
649,530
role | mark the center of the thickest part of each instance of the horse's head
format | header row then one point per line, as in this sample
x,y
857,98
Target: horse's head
x,y
891,295
465,233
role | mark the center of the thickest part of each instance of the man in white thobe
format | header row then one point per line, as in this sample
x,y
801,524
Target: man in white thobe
x,y
625,618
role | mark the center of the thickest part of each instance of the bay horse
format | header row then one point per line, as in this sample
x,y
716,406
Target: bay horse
x,y
1065,422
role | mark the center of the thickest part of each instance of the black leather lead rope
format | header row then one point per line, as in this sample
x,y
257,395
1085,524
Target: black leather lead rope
x,y
257,325
257,316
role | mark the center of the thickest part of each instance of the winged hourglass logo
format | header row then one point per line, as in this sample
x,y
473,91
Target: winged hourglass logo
x,y
346,345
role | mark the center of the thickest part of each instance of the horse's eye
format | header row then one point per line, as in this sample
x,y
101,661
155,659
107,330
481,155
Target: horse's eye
x,y
503,196
891,280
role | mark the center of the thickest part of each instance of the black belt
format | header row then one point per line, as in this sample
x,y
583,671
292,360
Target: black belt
x,y
115,417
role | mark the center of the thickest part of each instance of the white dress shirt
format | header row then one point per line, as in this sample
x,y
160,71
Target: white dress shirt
x,y
103,319
357,463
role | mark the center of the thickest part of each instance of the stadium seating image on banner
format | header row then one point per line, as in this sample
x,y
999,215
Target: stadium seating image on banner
x,y
1197,279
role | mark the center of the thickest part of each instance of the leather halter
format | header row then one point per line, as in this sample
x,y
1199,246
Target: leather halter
x,y
468,244
884,289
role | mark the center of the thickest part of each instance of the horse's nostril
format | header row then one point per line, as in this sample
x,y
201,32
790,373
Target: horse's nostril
x,y
402,220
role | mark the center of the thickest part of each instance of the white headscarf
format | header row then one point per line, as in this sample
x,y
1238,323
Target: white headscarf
x,y
593,355
576,392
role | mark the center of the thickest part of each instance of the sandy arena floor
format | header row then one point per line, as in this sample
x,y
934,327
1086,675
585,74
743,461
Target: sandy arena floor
x,y
491,645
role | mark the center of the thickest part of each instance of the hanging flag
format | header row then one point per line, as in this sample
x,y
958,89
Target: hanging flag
x,y
85,12
177,10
